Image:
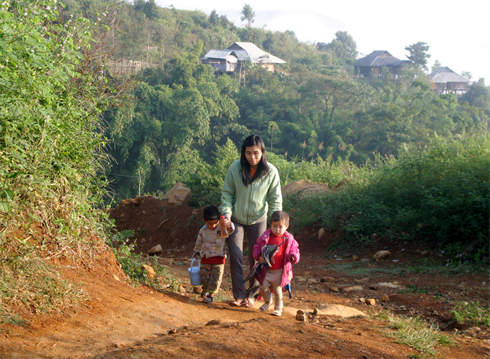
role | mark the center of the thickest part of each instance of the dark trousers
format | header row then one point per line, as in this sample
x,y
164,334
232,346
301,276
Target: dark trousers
x,y
235,248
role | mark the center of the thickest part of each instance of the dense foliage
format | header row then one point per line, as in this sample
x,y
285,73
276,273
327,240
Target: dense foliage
x,y
51,149
313,108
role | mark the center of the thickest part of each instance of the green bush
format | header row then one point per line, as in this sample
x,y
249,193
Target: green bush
x,y
438,194
51,151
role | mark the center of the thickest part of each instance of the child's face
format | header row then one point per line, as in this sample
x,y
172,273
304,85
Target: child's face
x,y
278,228
212,224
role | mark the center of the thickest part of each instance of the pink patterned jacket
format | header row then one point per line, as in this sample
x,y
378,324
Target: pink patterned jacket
x,y
292,247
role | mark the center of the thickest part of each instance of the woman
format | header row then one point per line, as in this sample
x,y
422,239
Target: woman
x,y
251,190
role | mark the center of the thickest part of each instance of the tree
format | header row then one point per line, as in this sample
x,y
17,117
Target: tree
x,y
418,54
436,65
467,74
214,18
248,14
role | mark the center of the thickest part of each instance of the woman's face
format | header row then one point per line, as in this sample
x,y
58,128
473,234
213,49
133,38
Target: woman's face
x,y
253,154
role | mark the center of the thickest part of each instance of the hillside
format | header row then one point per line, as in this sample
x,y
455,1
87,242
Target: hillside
x,y
121,321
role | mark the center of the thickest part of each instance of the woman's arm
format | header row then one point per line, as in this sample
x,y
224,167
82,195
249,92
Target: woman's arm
x,y
274,194
228,194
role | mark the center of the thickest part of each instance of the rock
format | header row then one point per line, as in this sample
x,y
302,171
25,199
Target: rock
x,y
354,288
340,310
155,250
355,258
197,290
384,285
304,189
178,194
312,280
371,301
327,280
301,316
334,289
382,255
362,300
313,190
116,277
385,298
150,272
293,187
213,322
300,279
321,232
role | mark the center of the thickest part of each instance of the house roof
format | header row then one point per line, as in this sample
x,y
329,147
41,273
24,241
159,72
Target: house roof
x,y
445,75
379,58
247,50
222,55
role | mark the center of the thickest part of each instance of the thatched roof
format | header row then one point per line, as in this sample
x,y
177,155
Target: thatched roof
x,y
378,59
247,50
444,75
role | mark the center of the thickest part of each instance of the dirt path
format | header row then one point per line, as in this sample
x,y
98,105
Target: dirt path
x,y
121,321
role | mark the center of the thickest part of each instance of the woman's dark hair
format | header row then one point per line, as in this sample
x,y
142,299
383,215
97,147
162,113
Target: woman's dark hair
x,y
262,167
210,213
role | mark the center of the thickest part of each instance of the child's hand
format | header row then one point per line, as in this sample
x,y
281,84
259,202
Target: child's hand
x,y
261,259
197,256
292,258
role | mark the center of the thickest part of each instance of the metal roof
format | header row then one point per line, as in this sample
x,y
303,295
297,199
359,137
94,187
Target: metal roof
x,y
247,50
221,54
379,58
445,75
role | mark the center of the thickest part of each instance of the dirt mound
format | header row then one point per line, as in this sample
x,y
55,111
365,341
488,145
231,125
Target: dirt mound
x,y
155,221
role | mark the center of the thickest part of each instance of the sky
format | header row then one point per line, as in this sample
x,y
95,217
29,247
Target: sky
x,y
457,31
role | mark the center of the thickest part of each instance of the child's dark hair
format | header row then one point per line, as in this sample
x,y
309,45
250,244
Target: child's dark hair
x,y
210,213
280,216
262,167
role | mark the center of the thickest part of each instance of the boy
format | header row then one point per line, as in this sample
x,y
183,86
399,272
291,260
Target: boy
x,y
210,248
277,268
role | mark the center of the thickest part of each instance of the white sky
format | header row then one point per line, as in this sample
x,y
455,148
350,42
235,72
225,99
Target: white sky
x,y
457,31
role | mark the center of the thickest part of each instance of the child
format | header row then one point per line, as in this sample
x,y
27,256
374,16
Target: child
x,y
210,247
278,269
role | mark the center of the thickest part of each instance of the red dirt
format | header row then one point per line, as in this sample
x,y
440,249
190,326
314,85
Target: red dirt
x,y
121,321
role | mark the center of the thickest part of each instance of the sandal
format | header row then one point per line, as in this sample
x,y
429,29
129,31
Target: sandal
x,y
236,302
248,303
265,307
277,312
208,299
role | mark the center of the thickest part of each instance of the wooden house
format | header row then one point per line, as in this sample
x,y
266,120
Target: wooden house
x,y
373,64
223,61
444,80
232,58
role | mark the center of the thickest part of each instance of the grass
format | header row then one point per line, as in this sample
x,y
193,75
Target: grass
x,y
133,264
27,281
369,268
471,313
414,332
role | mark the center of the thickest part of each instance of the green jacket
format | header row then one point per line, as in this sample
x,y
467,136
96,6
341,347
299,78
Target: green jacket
x,y
248,204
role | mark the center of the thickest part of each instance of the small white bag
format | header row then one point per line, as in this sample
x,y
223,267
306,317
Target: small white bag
x,y
195,272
